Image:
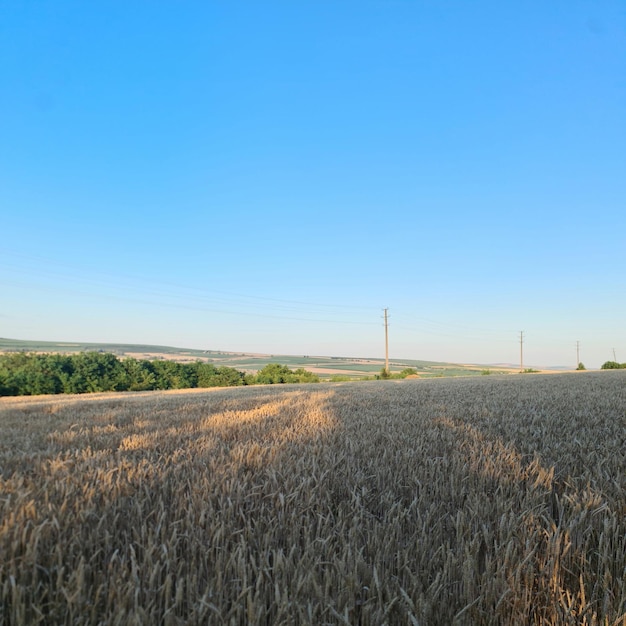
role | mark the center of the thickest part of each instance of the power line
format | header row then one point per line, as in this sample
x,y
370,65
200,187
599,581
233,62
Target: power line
x,y
49,268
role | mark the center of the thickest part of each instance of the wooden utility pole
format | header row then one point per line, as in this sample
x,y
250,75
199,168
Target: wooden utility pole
x,y
386,343
521,350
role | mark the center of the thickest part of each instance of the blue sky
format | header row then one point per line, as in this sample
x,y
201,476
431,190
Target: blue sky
x,y
268,176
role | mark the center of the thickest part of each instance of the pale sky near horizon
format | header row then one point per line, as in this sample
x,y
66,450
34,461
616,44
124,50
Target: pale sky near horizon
x,y
268,176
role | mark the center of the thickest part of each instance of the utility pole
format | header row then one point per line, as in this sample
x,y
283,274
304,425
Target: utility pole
x,y
521,350
386,343
577,354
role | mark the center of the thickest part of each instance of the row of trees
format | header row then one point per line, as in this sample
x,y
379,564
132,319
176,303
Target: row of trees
x,y
613,365
32,374
385,374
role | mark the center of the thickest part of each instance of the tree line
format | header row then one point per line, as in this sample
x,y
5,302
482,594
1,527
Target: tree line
x,y
25,374
613,365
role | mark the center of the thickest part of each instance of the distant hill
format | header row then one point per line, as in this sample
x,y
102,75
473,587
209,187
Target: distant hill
x,y
325,366
9,345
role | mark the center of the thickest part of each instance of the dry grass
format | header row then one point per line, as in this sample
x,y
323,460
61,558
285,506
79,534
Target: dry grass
x,y
455,501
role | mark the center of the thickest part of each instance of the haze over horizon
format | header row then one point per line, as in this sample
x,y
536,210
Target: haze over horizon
x,y
267,177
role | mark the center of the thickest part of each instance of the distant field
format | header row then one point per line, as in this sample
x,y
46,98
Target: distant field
x,y
468,501
324,365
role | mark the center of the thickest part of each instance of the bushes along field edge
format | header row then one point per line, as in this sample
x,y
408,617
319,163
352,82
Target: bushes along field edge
x,y
24,374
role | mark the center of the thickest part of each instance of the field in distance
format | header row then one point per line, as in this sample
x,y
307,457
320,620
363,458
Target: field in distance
x,y
324,366
468,501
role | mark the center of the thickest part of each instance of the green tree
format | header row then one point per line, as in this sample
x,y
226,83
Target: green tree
x,y
229,377
33,374
304,376
274,373
168,375
42,376
612,365
97,371
13,374
190,374
207,375
138,376
61,366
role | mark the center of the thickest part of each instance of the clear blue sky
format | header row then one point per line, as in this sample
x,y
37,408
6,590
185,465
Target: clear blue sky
x,y
268,176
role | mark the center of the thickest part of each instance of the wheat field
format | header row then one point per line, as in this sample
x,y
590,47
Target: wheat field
x,y
490,500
